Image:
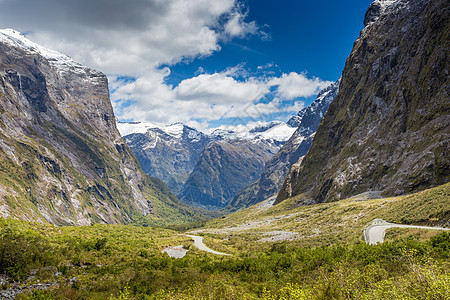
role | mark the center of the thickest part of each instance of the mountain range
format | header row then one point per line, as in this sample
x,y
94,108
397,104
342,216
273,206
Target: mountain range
x,y
226,169
384,127
276,169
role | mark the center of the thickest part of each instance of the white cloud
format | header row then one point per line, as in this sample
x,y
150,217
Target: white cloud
x,y
237,27
127,37
206,97
295,85
220,88
133,38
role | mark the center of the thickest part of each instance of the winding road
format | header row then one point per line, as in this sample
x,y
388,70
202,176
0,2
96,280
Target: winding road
x,y
198,242
374,233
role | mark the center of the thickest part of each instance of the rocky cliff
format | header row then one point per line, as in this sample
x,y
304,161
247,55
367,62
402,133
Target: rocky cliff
x,y
223,169
62,159
276,169
389,127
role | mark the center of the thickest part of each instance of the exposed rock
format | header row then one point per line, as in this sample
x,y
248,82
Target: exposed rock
x,y
62,159
223,169
168,153
171,152
389,127
307,120
175,252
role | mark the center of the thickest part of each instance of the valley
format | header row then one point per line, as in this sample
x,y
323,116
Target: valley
x,y
326,255
345,198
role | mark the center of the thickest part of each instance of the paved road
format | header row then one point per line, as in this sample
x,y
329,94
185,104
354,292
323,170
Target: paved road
x,y
374,233
176,252
198,242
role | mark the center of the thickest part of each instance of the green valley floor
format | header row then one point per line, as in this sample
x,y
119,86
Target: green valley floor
x,y
287,251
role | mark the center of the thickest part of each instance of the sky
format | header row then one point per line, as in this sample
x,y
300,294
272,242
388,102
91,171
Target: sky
x,y
206,63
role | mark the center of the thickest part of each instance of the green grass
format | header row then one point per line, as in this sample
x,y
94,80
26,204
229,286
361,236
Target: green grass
x,y
328,260
331,223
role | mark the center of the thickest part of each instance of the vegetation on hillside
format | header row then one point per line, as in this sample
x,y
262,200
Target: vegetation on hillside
x,y
125,262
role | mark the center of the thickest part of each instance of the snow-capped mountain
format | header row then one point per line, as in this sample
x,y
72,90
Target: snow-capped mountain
x,y
233,158
308,119
276,169
61,62
167,152
276,132
170,152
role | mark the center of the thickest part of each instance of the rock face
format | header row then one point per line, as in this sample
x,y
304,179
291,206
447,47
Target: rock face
x,y
389,127
223,169
62,159
168,152
307,120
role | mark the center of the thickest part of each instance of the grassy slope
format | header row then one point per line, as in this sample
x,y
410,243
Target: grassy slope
x,y
126,261
330,223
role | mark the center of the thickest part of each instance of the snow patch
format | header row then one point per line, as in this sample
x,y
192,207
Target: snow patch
x,y
127,128
276,131
61,62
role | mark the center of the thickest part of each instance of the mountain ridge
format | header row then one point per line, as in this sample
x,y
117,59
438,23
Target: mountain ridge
x,y
171,152
388,128
276,169
62,159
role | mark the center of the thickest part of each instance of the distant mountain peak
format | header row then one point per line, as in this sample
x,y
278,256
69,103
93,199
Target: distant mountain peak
x,y
308,119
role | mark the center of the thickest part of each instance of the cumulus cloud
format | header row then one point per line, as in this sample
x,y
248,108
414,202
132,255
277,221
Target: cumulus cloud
x,y
206,97
294,85
127,37
237,27
130,40
220,88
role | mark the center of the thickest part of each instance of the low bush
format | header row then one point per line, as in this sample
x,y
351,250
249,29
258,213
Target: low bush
x,y
125,262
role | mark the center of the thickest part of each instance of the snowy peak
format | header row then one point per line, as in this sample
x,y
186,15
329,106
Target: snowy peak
x,y
174,130
308,119
264,127
61,62
276,131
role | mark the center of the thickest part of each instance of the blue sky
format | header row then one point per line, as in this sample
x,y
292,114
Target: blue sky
x,y
206,63
316,36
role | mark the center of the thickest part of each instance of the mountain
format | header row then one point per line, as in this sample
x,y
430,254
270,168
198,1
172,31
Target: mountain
x,y
166,152
233,160
171,152
276,169
62,159
388,129
275,133
223,169
178,153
